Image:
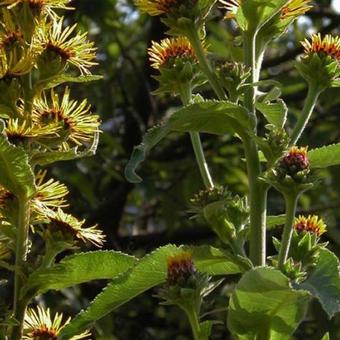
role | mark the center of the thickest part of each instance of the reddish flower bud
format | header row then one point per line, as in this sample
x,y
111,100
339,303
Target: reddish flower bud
x,y
312,224
294,161
180,269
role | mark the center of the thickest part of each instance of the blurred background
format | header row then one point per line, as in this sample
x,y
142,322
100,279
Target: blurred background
x,y
139,218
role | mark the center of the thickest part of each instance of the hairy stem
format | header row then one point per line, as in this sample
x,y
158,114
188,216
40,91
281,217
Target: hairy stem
x,y
205,65
257,190
19,305
196,142
291,202
312,97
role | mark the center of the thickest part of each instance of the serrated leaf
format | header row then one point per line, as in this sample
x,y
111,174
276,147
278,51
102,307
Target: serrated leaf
x,y
325,156
264,306
48,157
216,117
16,175
79,268
324,282
55,81
275,113
149,272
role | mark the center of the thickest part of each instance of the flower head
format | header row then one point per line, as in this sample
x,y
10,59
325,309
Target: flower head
x,y
180,269
76,123
168,50
73,48
39,325
72,227
295,160
328,45
39,6
295,8
312,224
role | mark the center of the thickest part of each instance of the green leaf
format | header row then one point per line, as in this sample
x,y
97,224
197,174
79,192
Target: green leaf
x,y
205,329
55,81
254,14
264,306
16,175
79,268
48,157
325,337
275,113
273,221
215,117
325,156
324,282
149,272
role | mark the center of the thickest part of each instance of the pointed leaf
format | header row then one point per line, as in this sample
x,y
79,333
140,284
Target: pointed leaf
x,y
16,175
65,78
324,282
216,117
79,268
149,272
325,156
264,306
275,113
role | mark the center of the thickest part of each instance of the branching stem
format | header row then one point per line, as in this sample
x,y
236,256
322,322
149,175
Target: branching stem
x,y
312,97
291,202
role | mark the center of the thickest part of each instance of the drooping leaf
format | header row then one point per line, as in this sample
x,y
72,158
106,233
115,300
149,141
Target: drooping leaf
x,y
325,156
264,306
275,113
324,282
215,117
16,174
79,268
150,272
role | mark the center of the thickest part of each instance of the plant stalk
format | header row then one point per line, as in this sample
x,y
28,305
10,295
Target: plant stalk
x,y
291,203
205,64
194,323
312,97
186,95
257,190
19,305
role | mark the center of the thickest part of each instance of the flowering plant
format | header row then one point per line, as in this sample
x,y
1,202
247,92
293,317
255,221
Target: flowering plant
x,y
41,124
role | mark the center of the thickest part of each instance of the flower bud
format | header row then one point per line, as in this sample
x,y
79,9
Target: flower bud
x,y
294,162
180,269
320,64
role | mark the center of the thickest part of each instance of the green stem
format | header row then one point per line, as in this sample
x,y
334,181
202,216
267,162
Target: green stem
x,y
205,64
194,323
291,202
312,97
257,189
186,95
19,305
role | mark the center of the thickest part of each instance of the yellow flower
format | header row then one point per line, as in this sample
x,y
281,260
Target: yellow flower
x,y
295,8
16,63
327,45
39,6
72,117
49,195
180,268
39,325
73,48
169,49
10,33
20,131
69,225
312,224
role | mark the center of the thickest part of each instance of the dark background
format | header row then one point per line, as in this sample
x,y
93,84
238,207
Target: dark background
x,y
139,218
